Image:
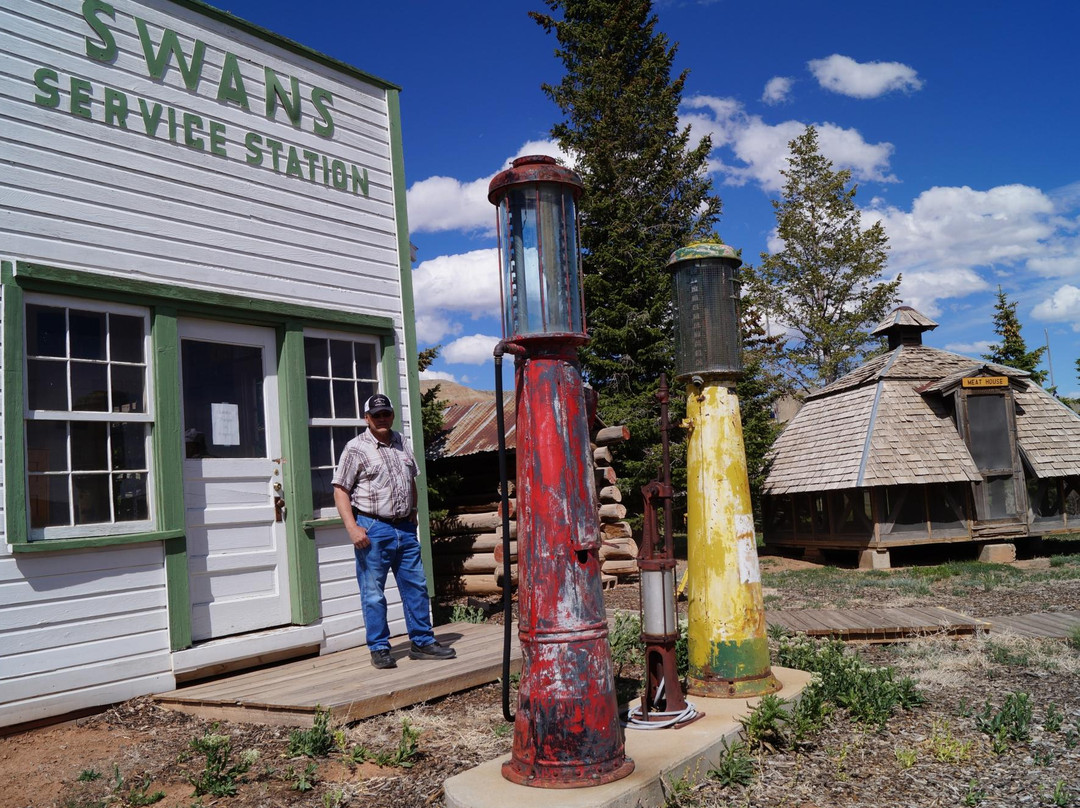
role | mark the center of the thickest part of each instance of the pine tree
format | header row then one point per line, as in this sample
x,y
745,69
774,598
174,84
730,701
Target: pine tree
x,y
441,481
646,194
824,285
1012,350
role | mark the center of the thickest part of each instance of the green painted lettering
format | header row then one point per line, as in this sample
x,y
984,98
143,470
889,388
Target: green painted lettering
x,y
172,124
217,139
106,51
323,99
359,181
255,154
116,108
292,167
50,94
275,151
276,92
325,171
311,158
341,178
192,123
80,97
157,63
231,86
151,117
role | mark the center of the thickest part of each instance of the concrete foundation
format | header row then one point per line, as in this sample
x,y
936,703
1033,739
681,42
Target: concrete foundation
x,y
874,560
1002,553
661,757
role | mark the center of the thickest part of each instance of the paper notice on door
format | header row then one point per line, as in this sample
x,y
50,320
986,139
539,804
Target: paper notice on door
x,y
225,419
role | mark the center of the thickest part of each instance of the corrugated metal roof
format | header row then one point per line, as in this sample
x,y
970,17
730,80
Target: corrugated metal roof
x,y
472,427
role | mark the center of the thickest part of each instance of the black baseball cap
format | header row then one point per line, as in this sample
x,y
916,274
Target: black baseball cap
x,y
378,403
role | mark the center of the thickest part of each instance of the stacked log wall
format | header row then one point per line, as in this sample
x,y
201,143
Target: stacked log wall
x,y
467,546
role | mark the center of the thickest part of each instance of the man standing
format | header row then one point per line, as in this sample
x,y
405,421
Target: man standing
x,y
375,493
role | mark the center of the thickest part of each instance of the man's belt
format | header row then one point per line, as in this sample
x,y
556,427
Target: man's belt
x,y
358,512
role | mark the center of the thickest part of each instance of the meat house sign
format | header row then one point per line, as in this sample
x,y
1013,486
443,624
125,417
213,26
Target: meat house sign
x,y
311,107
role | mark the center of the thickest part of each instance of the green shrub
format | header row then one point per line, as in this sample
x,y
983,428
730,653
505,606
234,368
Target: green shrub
x,y
763,726
315,742
625,639
1012,722
463,613
735,767
218,777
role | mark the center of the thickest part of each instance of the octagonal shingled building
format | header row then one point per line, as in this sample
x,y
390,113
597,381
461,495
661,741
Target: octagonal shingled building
x,y
923,446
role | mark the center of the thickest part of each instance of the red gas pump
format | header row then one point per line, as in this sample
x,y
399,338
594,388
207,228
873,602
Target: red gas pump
x,y
566,729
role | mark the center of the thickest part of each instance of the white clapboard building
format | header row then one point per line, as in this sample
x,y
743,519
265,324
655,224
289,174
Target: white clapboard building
x,y
205,267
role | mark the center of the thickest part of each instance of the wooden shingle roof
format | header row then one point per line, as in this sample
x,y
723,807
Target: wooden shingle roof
x,y
887,423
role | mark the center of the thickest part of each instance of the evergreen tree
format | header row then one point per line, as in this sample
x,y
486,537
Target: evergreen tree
x,y
824,285
1012,350
646,194
440,481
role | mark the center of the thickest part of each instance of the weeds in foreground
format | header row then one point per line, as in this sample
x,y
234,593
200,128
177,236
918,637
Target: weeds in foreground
x,y
946,747
906,756
1011,722
316,742
1062,795
625,639
735,766
974,795
463,613
402,757
763,727
218,778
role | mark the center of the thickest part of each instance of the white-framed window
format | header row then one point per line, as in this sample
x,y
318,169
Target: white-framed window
x,y
342,371
88,416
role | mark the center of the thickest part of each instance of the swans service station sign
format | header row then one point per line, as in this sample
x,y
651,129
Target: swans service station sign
x,y
241,84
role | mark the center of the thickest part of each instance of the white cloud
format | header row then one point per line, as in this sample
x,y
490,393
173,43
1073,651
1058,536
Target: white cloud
x,y
439,204
842,74
762,148
452,286
922,289
974,349
476,349
777,89
962,227
437,375
1062,307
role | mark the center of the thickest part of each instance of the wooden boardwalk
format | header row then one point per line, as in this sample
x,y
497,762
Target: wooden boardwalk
x,y
1058,625
876,624
345,683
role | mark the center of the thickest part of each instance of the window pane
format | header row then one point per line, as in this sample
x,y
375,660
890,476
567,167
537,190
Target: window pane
x,y
988,422
128,388
1000,497
46,385
322,491
316,357
128,446
46,446
219,374
89,387
341,356
342,435
365,360
129,497
318,398
49,501
46,333
365,390
89,446
319,447
91,498
126,338
87,334
344,399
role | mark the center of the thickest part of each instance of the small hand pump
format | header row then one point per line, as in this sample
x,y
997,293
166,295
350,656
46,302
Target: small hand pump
x,y
662,704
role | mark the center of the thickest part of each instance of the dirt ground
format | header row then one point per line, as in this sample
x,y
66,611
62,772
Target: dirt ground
x,y
130,754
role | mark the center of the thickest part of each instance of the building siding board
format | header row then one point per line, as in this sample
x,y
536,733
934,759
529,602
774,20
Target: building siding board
x,y
89,627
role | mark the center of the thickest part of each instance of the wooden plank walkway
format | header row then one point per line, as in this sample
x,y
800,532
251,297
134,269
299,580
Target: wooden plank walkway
x,y
345,683
876,624
1058,625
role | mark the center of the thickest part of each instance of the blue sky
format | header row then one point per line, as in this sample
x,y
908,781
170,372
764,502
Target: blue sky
x,y
959,120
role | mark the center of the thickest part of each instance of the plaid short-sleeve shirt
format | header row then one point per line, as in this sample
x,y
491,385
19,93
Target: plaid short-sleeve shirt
x,y
380,478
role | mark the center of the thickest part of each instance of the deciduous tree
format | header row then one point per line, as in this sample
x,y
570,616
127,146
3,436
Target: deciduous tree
x,y
824,285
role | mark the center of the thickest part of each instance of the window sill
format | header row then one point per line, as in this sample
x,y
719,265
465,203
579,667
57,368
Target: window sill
x,y
323,521
60,545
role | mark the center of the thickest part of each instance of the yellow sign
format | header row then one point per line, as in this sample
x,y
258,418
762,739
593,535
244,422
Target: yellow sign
x,y
986,381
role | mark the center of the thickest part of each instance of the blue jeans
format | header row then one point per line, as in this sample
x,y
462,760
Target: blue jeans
x,y
394,546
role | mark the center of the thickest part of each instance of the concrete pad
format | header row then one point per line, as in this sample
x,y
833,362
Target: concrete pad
x,y
668,754
1003,553
875,560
